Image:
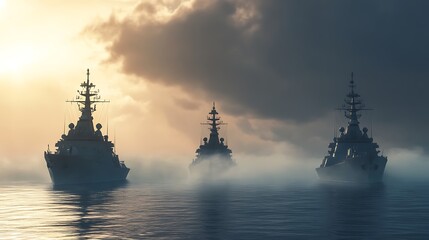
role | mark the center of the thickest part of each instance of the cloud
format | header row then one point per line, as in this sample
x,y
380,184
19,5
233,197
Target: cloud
x,y
283,60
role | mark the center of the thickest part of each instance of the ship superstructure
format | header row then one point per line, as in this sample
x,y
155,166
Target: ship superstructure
x,y
353,155
84,155
213,152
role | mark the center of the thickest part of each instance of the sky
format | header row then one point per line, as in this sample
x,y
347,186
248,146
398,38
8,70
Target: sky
x,y
276,69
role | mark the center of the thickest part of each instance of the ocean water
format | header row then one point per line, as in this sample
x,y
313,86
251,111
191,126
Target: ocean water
x,y
216,210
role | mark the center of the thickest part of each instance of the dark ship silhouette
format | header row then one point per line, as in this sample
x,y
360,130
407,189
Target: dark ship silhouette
x,y
85,155
213,156
353,156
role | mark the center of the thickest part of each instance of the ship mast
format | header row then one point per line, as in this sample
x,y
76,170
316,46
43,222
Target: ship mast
x,y
86,102
90,97
353,106
214,123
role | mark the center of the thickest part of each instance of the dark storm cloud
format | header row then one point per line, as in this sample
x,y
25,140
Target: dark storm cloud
x,y
287,60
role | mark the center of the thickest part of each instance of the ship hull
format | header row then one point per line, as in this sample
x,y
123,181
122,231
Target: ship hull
x,y
354,170
65,169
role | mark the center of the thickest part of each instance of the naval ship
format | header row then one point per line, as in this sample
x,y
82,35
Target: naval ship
x,y
213,156
353,156
84,155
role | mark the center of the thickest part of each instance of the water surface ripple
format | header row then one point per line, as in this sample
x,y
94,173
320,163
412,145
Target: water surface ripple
x,y
215,211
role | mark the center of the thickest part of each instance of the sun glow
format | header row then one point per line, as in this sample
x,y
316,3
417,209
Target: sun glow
x,y
16,59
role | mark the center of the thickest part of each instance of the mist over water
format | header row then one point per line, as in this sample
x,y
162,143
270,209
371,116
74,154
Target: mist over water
x,y
260,198
402,165
406,165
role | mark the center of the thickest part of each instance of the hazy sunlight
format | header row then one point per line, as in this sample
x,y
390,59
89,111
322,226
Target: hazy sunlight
x,y
15,59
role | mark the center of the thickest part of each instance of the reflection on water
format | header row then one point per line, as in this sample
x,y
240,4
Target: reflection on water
x,y
353,211
215,211
40,211
93,205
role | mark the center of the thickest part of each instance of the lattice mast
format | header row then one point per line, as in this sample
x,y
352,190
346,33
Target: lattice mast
x,y
353,105
86,101
90,97
214,122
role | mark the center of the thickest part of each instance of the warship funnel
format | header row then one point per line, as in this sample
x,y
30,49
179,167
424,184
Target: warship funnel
x,y
353,156
213,156
84,155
